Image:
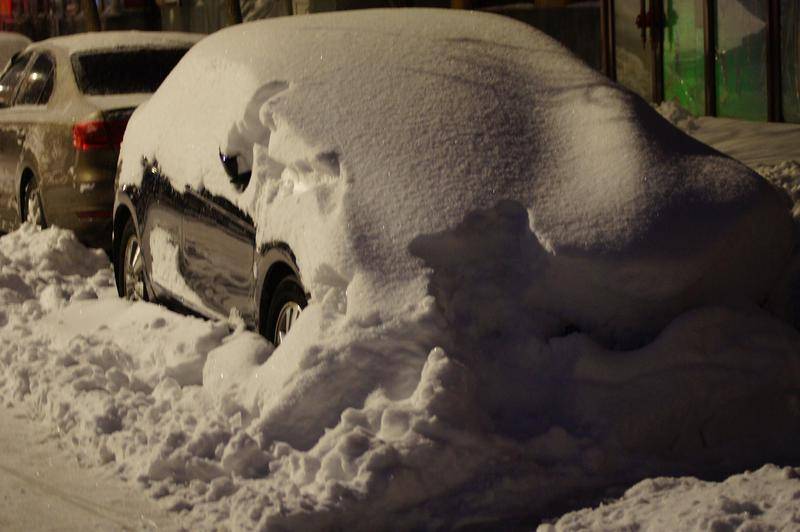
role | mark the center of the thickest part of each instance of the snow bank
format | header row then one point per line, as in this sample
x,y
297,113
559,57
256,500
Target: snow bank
x,y
761,500
490,429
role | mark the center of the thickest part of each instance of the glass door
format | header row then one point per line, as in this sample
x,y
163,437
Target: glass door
x,y
741,58
632,48
790,59
684,54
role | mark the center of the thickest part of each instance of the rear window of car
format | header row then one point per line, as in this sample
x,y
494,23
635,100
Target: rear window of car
x,y
124,71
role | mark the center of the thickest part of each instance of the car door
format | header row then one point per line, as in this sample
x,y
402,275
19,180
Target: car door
x,y
11,138
159,207
218,251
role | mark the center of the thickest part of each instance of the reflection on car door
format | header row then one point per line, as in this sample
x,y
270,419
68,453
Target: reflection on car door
x,y
11,138
218,251
160,232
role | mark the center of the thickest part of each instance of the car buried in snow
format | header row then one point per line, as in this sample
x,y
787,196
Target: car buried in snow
x,y
64,104
285,159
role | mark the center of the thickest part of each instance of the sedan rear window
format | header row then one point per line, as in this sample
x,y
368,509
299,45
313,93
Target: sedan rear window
x,y
124,71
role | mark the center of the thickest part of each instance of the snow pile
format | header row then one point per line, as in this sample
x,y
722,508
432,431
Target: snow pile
x,y
486,432
785,174
40,274
109,40
678,115
766,499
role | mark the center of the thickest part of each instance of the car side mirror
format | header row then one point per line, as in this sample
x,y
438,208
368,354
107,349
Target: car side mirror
x,y
231,165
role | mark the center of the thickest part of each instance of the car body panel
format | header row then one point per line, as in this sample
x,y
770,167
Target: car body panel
x,y
218,246
207,262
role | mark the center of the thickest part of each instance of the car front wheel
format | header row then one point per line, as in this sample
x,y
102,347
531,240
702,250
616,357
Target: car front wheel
x,y
288,301
130,266
32,204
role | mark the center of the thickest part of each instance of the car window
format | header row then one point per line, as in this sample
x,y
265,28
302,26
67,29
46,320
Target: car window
x,y
124,71
38,83
11,78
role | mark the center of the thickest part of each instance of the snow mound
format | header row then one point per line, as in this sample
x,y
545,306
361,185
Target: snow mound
x,y
678,115
494,424
46,270
761,500
786,175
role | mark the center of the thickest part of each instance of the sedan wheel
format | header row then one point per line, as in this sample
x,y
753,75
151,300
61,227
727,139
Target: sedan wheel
x,y
287,302
133,268
33,204
286,318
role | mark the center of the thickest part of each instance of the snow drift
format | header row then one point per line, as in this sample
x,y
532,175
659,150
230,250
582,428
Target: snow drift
x,y
761,500
481,220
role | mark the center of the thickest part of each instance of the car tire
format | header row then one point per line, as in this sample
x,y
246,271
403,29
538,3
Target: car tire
x,y
129,266
32,211
287,302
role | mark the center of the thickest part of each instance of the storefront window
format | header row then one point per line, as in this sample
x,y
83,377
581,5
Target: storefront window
x,y
741,58
790,59
634,57
684,50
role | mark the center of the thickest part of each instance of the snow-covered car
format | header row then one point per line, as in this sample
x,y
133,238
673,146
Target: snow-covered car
x,y
64,104
285,155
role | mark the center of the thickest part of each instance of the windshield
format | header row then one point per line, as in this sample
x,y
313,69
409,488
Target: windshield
x,y
124,71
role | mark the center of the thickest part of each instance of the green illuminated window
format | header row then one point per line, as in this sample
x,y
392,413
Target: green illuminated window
x,y
684,48
741,58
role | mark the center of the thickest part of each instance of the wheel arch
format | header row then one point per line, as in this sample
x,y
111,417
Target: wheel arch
x,y
121,216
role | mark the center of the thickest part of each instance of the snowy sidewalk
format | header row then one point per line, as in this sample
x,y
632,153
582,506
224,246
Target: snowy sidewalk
x,y
42,488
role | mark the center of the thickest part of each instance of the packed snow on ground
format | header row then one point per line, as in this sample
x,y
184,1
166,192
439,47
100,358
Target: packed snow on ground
x,y
767,499
525,287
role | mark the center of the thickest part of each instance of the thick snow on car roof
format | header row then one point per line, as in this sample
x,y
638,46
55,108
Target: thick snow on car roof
x,y
372,131
83,42
9,37
10,43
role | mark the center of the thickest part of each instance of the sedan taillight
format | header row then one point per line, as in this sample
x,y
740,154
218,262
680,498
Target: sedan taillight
x,y
98,134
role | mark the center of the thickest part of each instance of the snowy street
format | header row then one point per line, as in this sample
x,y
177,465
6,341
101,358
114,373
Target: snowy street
x,y
42,487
